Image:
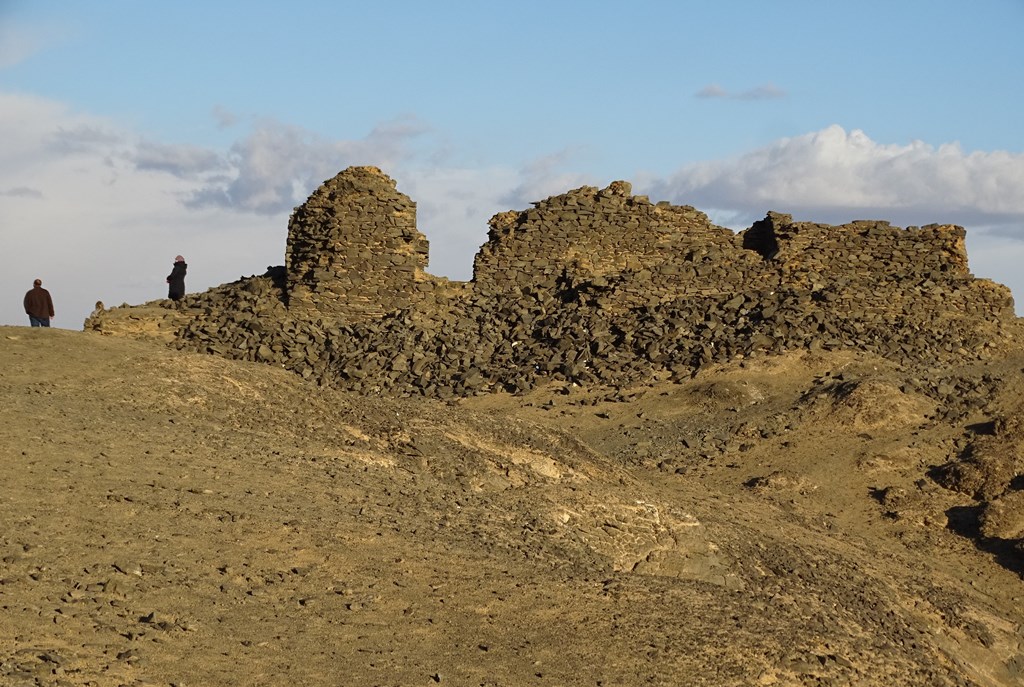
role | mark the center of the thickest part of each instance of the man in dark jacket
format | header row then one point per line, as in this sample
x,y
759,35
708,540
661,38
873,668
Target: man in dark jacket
x,y
38,305
176,279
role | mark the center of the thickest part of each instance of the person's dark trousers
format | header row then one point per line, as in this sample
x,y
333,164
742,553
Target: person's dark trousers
x,y
39,321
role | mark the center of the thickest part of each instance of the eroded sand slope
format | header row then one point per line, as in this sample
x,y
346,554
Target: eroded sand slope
x,y
177,519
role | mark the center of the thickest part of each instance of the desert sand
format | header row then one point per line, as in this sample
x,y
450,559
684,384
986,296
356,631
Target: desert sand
x,y
812,518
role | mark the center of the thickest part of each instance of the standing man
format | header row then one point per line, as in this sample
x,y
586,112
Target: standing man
x,y
38,305
176,279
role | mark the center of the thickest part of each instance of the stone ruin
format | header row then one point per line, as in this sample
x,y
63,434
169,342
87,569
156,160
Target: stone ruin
x,y
353,248
594,286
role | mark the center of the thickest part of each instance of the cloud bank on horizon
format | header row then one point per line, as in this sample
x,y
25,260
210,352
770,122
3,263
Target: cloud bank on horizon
x,y
97,205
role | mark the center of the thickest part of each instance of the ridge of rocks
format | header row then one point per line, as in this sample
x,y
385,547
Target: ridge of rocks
x,y
593,286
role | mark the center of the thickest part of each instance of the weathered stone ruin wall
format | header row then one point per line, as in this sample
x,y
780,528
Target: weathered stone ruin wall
x,y
859,249
645,252
592,286
876,272
353,249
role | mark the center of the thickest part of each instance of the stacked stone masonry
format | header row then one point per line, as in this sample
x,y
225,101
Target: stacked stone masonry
x,y
353,249
587,234
591,287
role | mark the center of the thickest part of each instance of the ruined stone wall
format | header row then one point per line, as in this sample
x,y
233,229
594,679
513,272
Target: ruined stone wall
x,y
873,270
353,249
642,251
642,254
354,253
807,253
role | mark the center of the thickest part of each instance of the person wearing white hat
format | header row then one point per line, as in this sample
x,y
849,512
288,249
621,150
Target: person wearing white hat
x,y
176,279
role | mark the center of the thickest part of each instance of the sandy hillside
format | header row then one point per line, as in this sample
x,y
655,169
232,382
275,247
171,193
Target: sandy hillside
x,y
809,519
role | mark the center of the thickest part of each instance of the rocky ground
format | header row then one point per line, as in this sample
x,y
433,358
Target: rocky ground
x,y
170,518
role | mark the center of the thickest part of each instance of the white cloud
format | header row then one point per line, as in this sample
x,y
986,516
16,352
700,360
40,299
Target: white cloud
x,y
544,177
182,161
18,43
277,165
764,92
21,191
833,176
224,117
85,138
712,91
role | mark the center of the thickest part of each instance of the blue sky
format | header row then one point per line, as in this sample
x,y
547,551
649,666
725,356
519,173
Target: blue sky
x,y
135,131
